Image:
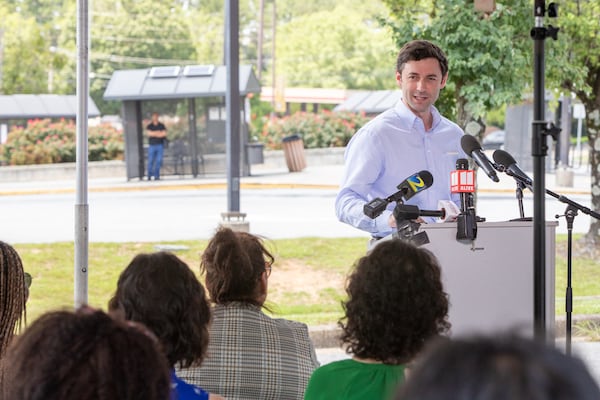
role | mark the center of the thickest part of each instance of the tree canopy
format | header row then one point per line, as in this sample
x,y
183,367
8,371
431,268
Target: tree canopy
x,y
350,51
487,52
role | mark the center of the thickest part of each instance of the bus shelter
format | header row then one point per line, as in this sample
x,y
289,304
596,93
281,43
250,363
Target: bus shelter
x,y
196,141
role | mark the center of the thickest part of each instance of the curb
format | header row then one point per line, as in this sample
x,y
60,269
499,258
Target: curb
x,y
327,336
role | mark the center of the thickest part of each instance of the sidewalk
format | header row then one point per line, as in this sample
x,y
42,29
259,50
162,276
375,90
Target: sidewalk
x,y
269,176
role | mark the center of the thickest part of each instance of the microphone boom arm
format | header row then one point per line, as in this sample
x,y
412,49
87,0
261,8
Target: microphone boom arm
x,y
559,197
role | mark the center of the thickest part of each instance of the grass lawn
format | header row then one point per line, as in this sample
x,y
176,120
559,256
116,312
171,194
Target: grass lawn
x,y
307,283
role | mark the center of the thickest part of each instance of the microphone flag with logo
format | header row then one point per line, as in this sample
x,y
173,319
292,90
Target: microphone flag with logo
x,y
408,188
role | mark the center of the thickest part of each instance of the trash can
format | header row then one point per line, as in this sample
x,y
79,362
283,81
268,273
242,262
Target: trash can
x,y
255,153
293,150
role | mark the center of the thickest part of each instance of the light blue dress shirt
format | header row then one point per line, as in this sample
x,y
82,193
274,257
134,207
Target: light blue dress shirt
x,y
386,151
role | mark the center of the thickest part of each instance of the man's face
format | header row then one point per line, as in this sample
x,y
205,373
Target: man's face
x,y
421,82
155,117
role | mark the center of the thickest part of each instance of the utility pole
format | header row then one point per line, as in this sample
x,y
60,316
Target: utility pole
x,y
273,76
261,30
1,59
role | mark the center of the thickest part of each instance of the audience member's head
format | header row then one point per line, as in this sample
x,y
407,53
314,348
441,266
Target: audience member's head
x,y
497,368
237,265
161,292
13,294
84,355
395,303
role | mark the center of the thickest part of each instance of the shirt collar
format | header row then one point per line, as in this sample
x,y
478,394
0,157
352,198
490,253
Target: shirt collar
x,y
410,119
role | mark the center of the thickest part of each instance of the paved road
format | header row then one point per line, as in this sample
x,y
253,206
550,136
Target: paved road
x,y
175,213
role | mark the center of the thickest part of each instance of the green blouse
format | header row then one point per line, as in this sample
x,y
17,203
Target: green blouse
x,y
350,379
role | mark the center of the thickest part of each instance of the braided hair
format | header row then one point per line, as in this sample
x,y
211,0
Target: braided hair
x,y
13,294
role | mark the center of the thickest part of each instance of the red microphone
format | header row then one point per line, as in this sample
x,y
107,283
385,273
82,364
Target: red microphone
x,y
462,181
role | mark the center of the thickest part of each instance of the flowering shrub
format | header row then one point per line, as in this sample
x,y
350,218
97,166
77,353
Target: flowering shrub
x,y
325,129
45,142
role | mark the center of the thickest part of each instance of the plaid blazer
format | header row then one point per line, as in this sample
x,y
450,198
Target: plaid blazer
x,y
254,357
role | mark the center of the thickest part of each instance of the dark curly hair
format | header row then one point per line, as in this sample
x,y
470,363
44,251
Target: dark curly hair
x,y
84,355
505,366
161,292
233,263
418,50
395,303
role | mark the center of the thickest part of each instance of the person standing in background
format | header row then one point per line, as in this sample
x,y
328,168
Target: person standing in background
x,y
157,136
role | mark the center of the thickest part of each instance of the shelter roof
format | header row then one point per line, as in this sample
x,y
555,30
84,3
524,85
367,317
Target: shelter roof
x,y
175,82
27,106
307,95
370,102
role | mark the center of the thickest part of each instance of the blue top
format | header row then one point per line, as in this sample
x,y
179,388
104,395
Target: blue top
x,y
386,151
181,390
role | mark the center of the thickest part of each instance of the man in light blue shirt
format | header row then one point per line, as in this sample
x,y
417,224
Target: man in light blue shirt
x,y
411,137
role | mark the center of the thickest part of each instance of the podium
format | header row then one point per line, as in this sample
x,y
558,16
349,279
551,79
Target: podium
x,y
490,282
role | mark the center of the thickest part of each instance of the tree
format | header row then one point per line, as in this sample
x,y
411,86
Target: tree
x,y
207,35
127,34
488,53
25,55
350,51
578,51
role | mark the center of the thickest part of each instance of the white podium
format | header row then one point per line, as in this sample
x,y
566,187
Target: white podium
x,y
490,281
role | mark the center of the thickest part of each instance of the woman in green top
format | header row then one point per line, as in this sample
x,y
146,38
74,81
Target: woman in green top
x,y
395,303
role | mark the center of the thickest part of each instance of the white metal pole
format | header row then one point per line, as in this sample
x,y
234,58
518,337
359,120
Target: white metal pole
x,y
81,189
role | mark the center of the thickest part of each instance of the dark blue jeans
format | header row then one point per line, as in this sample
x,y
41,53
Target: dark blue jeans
x,y
155,157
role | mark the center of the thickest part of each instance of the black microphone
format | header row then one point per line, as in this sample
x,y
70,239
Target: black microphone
x,y
415,183
503,158
409,212
407,189
471,146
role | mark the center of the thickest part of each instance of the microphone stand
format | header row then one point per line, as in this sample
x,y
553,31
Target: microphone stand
x,y
406,226
519,193
570,213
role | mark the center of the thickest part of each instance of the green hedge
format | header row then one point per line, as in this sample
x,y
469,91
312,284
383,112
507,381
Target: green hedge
x,y
325,129
44,142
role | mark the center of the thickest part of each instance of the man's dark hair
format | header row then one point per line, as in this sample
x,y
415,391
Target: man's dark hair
x,y
84,355
497,368
418,50
160,291
395,303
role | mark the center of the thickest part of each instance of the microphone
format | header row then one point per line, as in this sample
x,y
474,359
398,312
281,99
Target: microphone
x,y
471,146
463,181
503,158
409,212
415,183
408,188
